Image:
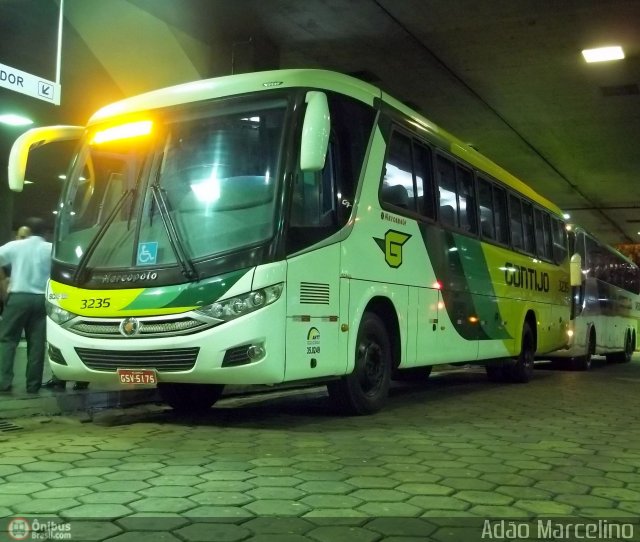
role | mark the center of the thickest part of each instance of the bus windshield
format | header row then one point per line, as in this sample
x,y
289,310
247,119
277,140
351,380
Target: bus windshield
x,y
191,185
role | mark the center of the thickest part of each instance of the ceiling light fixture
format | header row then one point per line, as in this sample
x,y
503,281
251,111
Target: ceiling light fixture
x,y
14,120
603,54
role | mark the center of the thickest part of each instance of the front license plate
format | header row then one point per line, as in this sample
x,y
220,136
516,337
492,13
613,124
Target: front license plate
x,y
137,376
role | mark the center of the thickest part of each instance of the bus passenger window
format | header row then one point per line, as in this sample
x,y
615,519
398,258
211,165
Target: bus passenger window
x,y
559,241
424,181
501,216
446,176
548,243
539,228
516,222
397,184
485,196
529,231
466,200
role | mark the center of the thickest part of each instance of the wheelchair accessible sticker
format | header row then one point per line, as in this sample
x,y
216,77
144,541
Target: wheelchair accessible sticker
x,y
147,253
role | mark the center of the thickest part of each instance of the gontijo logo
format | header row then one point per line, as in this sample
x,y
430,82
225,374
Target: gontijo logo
x,y
391,245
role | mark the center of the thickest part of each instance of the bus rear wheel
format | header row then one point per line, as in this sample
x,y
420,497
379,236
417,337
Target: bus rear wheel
x,y
365,390
521,370
190,398
625,355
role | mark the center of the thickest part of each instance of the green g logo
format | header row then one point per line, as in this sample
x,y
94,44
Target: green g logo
x,y
391,245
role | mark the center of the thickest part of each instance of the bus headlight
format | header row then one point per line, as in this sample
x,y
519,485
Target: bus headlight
x,y
58,314
243,304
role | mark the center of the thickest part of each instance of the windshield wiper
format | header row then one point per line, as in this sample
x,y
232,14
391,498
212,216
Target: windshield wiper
x,y
93,244
187,266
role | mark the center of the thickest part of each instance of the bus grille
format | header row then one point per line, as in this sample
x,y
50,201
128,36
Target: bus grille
x,y
148,328
177,359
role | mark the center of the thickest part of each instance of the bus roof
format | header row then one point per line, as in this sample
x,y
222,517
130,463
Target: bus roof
x,y
230,85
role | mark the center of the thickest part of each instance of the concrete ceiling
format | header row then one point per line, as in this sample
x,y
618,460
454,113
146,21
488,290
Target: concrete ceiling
x,y
505,75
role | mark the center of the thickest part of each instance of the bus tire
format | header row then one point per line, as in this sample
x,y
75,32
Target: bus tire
x,y
583,363
366,389
190,398
521,369
625,355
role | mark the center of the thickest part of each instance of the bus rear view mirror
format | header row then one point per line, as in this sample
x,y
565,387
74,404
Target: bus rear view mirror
x,y
575,270
30,140
315,132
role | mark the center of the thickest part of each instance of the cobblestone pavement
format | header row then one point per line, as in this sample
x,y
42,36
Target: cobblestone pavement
x,y
443,456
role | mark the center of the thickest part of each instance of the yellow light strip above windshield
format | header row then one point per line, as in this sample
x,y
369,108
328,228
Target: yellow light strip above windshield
x,y
123,131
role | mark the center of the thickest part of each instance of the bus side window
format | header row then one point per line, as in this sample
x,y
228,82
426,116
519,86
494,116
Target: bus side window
x,y
501,215
466,200
397,188
539,229
547,239
516,222
322,202
559,241
485,196
425,191
529,230
446,176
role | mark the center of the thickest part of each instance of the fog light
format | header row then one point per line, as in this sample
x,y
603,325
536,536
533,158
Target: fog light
x,y
255,352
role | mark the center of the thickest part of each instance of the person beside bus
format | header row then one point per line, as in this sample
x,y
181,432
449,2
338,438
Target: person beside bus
x,y
5,271
30,261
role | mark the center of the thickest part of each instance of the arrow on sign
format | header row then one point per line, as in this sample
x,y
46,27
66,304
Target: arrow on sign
x,y
45,90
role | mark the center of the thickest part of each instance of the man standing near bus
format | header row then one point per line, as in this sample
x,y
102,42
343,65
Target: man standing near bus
x,y
30,261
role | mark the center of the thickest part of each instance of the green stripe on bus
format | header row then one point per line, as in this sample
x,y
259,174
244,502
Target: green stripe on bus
x,y
467,290
193,294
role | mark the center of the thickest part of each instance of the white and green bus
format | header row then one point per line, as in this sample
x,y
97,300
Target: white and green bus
x,y
606,304
292,226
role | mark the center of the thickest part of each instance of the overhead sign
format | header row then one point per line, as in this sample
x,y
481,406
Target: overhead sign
x,y
29,84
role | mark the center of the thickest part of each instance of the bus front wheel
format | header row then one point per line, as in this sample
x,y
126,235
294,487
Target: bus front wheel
x,y
365,390
189,398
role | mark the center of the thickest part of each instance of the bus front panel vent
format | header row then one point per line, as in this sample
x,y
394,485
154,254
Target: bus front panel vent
x,y
55,355
237,356
314,293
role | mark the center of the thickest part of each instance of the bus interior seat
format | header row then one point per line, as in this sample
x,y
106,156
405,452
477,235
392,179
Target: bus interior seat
x,y
396,195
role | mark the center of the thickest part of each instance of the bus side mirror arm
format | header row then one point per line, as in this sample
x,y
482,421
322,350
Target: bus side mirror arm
x,y
30,140
315,132
575,270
